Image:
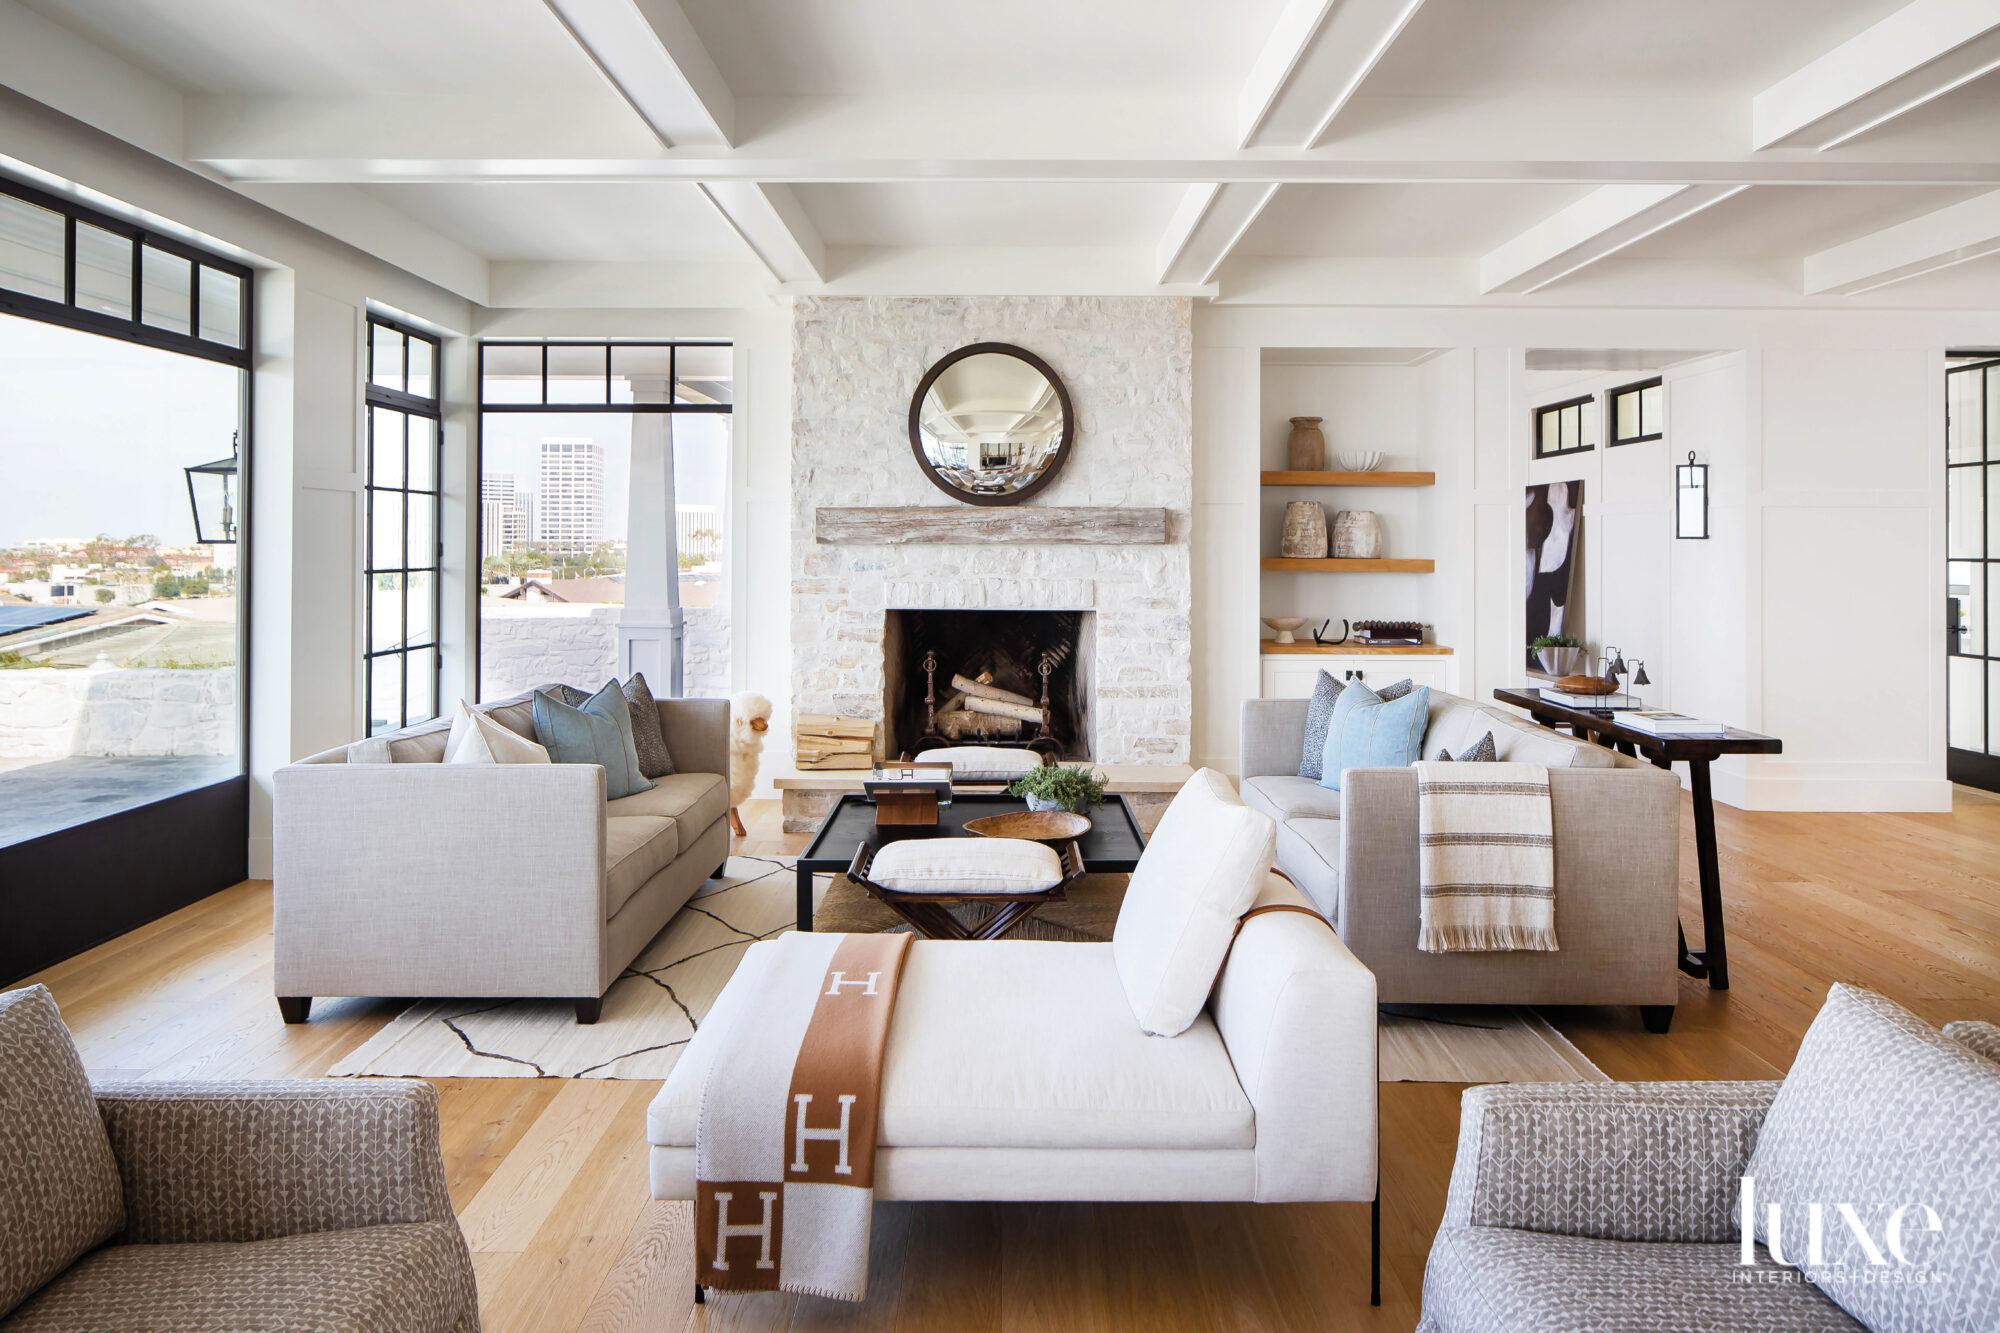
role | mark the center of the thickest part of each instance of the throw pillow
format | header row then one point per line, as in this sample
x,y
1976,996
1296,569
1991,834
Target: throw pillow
x,y
59,1187
967,865
1479,752
648,741
1201,870
1319,712
487,742
1368,731
1884,1115
597,732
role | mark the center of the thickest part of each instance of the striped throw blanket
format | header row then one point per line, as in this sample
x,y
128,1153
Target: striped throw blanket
x,y
1487,857
784,1139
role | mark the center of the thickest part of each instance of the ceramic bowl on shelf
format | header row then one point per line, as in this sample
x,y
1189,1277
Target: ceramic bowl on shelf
x,y
1361,460
1285,625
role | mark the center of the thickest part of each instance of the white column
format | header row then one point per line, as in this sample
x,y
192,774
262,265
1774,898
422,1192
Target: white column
x,y
649,632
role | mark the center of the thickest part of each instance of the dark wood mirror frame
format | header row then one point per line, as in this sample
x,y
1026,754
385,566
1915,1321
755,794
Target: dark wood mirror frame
x,y
1063,446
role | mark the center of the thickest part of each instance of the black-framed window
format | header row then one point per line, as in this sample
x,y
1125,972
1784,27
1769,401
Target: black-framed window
x,y
566,431
1568,427
1637,412
404,552
63,263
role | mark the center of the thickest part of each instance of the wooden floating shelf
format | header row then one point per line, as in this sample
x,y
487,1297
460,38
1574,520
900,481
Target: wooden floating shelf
x,y
1350,478
1279,562
1352,648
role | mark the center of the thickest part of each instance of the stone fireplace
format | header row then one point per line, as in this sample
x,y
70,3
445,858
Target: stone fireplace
x,y
927,652
858,610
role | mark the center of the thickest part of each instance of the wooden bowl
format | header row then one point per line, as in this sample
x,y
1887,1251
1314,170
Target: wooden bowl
x,y
1583,685
1034,825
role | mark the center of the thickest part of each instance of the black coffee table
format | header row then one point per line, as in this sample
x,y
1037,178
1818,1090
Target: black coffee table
x,y
1112,846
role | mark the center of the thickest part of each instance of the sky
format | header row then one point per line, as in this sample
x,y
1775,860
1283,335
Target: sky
x,y
94,433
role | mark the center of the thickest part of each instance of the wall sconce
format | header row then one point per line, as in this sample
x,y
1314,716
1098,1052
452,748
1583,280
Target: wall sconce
x,y
1691,499
212,496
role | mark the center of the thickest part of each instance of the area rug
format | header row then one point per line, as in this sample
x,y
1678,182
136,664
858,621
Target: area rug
x,y
654,1008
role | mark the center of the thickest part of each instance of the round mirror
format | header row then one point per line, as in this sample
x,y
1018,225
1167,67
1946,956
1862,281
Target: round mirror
x,y
990,424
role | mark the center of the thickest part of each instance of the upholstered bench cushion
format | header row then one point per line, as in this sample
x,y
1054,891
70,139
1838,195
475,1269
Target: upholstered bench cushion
x,y
966,865
1493,1280
983,763
406,1277
1012,1044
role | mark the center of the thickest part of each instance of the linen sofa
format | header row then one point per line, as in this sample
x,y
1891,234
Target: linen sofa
x,y
1354,853
303,1205
1015,1071
1613,1207
413,877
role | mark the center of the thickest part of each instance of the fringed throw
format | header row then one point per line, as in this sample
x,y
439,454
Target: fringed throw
x,y
1487,857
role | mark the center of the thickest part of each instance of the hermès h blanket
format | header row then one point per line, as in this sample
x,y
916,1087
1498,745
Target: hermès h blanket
x,y
1486,854
784,1139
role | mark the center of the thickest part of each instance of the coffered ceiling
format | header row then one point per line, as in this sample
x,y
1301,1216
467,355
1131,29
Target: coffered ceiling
x,y
1534,151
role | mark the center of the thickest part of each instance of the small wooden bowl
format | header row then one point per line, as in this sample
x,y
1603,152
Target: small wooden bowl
x,y
1034,825
1582,685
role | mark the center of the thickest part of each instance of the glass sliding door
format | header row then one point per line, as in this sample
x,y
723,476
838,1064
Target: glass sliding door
x,y
1972,570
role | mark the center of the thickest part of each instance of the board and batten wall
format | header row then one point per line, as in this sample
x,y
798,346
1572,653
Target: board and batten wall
x,y
1815,611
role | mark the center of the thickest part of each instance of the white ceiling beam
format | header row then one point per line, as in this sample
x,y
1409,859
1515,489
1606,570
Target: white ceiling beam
x,y
774,225
1920,52
1601,223
654,58
1318,53
1205,227
1964,231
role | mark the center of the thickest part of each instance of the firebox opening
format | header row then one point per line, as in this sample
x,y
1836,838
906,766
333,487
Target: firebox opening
x,y
1002,652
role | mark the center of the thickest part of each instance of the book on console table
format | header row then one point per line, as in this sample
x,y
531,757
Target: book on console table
x,y
1619,702
1661,723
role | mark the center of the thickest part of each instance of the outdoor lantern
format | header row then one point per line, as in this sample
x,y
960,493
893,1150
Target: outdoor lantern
x,y
1691,498
212,495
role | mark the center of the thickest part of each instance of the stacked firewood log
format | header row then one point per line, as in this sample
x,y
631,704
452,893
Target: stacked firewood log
x,y
978,709
824,741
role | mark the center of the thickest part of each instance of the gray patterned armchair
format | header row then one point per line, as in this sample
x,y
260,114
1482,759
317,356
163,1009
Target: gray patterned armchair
x,y
292,1206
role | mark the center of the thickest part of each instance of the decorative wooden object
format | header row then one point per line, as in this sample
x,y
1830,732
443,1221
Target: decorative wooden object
x,y
929,913
824,741
1305,531
1035,525
1306,451
1274,562
905,809
1056,826
1590,685
1349,478
984,688
1357,535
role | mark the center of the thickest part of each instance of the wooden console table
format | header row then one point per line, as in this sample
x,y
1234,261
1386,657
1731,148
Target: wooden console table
x,y
1712,960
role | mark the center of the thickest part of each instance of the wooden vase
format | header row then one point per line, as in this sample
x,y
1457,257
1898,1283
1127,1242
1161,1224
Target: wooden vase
x,y
1308,446
1305,531
1357,535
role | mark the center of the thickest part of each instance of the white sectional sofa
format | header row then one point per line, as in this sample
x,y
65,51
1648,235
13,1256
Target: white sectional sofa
x,y
399,874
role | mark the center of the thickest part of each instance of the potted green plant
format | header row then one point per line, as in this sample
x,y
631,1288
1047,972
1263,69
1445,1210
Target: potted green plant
x,y
1557,653
1075,788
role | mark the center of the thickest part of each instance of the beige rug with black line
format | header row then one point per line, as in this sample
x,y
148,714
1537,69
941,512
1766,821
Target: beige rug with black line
x,y
652,1011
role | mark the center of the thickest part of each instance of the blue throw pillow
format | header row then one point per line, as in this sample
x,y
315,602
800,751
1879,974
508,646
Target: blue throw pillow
x,y
1368,731
599,731
1319,715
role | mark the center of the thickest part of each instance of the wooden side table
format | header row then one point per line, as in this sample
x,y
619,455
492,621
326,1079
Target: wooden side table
x,y
1712,959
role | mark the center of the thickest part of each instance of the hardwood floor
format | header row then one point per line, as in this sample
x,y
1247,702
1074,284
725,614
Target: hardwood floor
x,y
550,1176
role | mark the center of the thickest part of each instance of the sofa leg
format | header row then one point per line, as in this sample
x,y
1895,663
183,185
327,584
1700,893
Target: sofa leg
x,y
1657,1017
293,1008
700,1296
1375,1249
588,1008
721,871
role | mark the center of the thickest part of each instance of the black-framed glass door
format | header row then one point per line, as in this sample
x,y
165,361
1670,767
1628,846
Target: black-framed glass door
x,y
1972,570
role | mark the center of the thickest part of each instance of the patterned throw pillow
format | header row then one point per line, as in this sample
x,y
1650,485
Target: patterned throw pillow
x,y
59,1188
1887,1117
1480,752
1369,731
648,742
597,732
1319,712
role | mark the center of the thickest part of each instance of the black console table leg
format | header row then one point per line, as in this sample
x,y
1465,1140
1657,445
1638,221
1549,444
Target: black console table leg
x,y
1714,957
805,917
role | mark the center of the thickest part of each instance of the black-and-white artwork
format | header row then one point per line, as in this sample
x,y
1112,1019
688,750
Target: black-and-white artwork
x,y
1555,510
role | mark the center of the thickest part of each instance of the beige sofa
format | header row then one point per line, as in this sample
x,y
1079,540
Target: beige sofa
x,y
413,877
1354,853
300,1205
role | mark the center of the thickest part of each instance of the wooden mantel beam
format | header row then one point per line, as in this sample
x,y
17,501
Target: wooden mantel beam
x,y
1017,525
